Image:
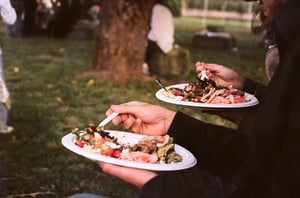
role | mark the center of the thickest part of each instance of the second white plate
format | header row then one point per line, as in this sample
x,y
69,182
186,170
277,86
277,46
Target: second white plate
x,y
252,100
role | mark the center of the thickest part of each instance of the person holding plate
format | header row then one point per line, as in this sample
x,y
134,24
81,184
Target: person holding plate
x,y
225,76
259,160
261,163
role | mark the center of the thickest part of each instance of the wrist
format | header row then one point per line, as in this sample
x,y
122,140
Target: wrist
x,y
146,177
170,118
250,86
242,82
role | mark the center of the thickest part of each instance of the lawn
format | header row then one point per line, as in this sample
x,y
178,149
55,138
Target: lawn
x,y
51,92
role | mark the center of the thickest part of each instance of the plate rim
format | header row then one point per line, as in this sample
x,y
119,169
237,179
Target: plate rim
x,y
160,96
67,142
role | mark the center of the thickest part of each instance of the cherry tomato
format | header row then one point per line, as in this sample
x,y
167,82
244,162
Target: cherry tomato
x,y
80,143
116,153
176,92
108,152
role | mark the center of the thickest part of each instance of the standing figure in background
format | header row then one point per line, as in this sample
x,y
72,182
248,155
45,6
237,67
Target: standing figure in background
x,y
160,36
9,16
16,29
42,15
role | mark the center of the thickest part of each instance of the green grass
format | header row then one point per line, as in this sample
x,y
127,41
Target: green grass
x,y
50,91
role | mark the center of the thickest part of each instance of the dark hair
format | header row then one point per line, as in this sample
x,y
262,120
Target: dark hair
x,y
266,22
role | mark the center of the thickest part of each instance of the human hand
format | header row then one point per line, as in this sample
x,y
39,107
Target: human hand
x,y
136,177
142,117
222,75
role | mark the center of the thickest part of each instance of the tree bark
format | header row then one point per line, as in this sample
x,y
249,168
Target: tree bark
x,y
124,25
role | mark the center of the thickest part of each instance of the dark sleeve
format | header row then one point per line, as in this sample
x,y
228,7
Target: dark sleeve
x,y
186,183
254,88
217,149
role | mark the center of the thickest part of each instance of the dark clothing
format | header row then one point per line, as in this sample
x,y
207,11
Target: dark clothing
x,y
219,152
18,5
186,183
16,29
261,160
152,56
255,88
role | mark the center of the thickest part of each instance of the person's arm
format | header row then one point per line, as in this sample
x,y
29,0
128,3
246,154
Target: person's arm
x,y
184,183
216,148
208,142
219,151
253,87
211,144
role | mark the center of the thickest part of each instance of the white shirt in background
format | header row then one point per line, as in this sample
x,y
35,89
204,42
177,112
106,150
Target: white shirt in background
x,y
9,16
162,28
7,12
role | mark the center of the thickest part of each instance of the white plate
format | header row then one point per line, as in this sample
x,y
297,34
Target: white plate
x,y
188,160
161,96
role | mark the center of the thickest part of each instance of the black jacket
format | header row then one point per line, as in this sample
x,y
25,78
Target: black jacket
x,y
260,160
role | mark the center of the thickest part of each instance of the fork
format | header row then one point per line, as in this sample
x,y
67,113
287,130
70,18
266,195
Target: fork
x,y
107,120
203,75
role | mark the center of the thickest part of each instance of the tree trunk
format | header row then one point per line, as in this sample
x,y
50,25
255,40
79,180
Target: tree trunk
x,y
124,25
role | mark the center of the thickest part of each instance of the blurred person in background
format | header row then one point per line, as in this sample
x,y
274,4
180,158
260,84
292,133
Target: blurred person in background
x,y
160,36
9,16
16,29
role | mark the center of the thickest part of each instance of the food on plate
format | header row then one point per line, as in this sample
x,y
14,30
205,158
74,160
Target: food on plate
x,y
206,91
149,149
